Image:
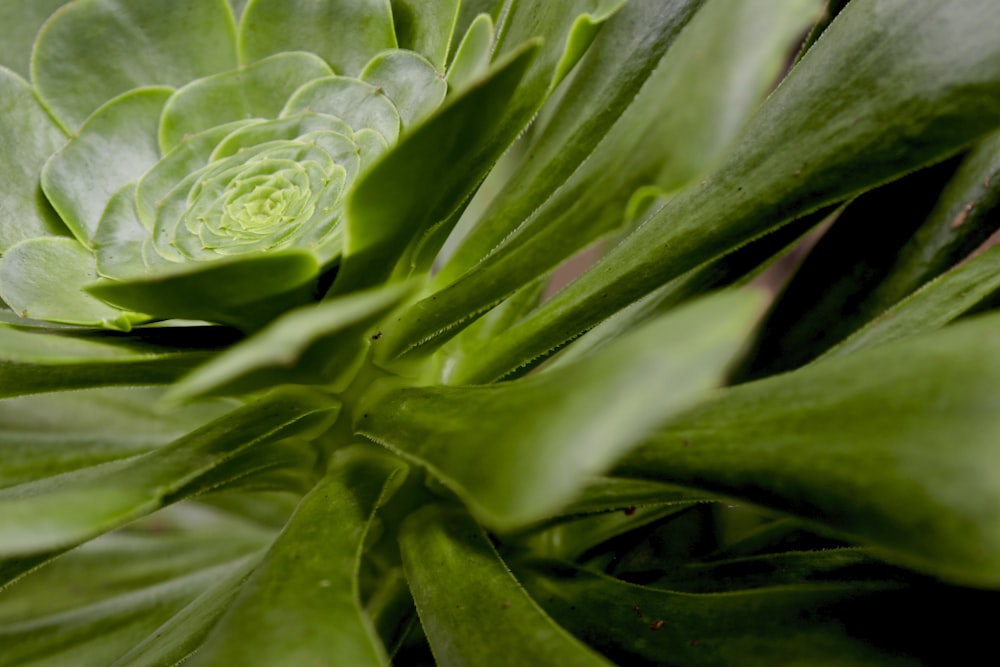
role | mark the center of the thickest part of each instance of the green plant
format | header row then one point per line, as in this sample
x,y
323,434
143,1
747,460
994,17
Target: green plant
x,y
282,383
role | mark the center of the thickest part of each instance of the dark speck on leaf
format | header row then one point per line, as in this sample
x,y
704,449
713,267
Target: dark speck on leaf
x,y
694,642
656,625
629,511
377,335
506,604
637,610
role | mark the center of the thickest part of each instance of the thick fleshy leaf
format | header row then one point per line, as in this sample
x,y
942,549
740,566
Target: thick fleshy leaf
x,y
301,606
806,624
21,20
426,27
65,510
50,434
410,81
28,137
246,292
94,50
347,33
115,146
887,74
319,344
358,104
258,90
484,616
472,57
43,278
517,451
35,362
426,176
868,445
680,124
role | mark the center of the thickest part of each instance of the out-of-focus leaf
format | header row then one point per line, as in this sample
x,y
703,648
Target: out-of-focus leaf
x,y
67,509
484,616
518,451
27,138
301,605
319,344
792,625
426,176
95,603
887,74
347,33
868,445
258,90
426,27
36,361
49,434
721,66
115,146
42,278
601,494
94,50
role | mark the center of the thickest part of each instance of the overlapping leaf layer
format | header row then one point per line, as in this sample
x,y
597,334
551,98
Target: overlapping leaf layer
x,y
289,373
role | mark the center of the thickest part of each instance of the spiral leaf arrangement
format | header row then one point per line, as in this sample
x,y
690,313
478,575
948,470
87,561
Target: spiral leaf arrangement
x,y
288,375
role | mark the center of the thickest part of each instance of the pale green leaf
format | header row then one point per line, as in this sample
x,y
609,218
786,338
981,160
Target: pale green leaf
x,y
258,90
43,278
472,57
21,20
410,81
346,33
516,452
484,616
94,50
358,104
426,27
115,146
28,136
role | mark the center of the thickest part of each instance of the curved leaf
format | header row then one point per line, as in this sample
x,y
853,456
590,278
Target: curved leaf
x,y
22,20
116,145
518,451
410,81
28,136
94,50
345,33
484,616
893,85
64,510
893,447
258,90
301,606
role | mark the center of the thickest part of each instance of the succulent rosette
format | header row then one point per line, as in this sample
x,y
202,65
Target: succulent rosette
x,y
190,168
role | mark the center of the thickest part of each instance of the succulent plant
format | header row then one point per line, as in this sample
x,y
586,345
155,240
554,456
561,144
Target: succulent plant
x,y
289,375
